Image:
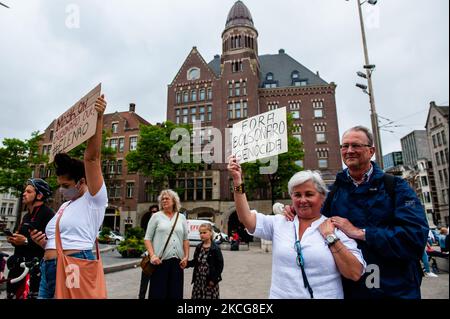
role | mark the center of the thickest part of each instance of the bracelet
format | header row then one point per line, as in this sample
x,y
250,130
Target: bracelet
x,y
239,189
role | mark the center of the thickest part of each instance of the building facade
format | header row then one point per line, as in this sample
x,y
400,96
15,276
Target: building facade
x,y
239,84
8,210
392,159
437,134
415,146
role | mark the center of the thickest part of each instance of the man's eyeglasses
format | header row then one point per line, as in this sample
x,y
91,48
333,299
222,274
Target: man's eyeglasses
x,y
354,146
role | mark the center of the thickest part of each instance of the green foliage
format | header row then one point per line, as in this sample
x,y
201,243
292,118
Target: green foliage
x,y
152,156
287,167
104,237
133,246
136,232
16,160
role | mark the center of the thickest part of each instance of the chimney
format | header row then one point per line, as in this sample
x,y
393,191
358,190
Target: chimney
x,y
132,107
217,56
281,51
432,103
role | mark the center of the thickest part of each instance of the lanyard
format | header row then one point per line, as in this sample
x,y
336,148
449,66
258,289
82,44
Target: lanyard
x,y
301,262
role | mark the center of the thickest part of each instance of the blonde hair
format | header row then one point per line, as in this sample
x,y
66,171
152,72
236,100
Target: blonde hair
x,y
175,198
208,227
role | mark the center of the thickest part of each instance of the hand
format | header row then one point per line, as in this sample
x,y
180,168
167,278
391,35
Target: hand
x,y
100,105
17,239
183,262
235,170
347,227
38,237
155,260
326,228
289,213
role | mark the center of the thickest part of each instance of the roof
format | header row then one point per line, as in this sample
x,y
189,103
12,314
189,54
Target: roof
x,y
132,119
239,15
281,65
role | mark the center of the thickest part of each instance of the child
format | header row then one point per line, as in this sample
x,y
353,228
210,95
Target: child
x,y
208,266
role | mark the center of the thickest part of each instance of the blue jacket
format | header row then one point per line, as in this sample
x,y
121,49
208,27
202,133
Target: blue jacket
x,y
396,234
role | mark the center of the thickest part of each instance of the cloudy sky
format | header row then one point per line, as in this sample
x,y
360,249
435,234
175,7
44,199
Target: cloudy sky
x,y
53,52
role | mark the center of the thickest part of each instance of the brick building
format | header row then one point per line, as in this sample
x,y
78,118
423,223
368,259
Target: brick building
x,y
238,84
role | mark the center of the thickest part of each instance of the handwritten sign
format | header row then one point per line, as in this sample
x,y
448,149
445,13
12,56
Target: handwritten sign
x,y
260,136
76,125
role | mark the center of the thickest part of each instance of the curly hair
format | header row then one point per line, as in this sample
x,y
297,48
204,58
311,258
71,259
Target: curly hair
x,y
69,167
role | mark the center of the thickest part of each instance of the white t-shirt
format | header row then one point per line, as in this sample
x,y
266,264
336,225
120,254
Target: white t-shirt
x,y
80,222
320,267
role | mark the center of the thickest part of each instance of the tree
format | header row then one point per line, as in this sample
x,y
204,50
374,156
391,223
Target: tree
x,y
287,167
17,158
153,155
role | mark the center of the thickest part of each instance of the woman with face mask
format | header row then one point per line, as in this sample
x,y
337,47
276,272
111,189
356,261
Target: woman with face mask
x,y
82,186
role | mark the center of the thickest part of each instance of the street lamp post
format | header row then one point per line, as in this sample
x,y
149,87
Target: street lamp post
x,y
369,68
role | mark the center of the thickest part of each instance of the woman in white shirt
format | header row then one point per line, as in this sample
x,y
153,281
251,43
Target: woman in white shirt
x,y
308,255
82,185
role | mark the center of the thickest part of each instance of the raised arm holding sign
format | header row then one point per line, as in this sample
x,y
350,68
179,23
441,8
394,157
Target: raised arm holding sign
x,y
261,136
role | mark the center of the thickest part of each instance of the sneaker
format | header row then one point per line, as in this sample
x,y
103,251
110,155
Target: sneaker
x,y
430,274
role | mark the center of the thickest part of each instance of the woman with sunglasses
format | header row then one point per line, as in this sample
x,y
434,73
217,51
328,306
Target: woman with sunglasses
x,y
309,254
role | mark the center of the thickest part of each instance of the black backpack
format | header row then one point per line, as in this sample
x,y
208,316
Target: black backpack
x,y
389,184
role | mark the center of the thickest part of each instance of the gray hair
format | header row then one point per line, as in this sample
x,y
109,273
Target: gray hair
x,y
302,177
363,129
175,199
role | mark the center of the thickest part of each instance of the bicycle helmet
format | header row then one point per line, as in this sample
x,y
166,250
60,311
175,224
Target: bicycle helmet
x,y
41,187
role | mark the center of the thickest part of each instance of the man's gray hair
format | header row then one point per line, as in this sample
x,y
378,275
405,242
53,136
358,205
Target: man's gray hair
x,y
302,177
363,129
175,198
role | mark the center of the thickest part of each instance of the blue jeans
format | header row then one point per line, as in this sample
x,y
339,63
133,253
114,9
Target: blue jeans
x,y
48,274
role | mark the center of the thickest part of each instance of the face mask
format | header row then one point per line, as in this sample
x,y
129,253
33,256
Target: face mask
x,y
69,193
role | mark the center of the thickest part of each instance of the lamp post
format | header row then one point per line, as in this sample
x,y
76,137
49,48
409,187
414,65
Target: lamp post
x,y
368,75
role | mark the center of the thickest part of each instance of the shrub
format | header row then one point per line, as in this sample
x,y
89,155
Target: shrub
x,y
133,246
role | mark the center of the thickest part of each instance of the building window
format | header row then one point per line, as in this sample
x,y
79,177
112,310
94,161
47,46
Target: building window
x,y
121,144
193,74
230,89
237,110
202,94
115,127
244,88
209,93
51,135
230,111
272,106
439,140
441,179
424,181
269,77
434,121
442,157
295,75
444,138
185,96
318,113
323,163
209,113
296,115
426,197
119,167
3,209
237,88
434,141
178,95
10,209
194,95
438,161
320,138
445,196
133,143
130,190
113,144
201,113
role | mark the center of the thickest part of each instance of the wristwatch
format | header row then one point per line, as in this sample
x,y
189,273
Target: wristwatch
x,y
331,239
239,189
26,241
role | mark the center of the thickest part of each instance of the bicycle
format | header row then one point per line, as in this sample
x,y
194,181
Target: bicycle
x,y
23,290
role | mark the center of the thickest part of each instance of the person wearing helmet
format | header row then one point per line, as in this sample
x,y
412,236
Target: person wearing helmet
x,y
34,198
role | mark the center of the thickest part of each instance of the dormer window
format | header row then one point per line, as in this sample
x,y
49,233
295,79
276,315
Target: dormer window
x,y
269,77
295,75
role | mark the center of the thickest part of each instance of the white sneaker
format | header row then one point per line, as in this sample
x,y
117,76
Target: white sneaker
x,y
430,274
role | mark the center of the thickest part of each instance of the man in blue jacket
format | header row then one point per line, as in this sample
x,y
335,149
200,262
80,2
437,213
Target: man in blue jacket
x,y
389,225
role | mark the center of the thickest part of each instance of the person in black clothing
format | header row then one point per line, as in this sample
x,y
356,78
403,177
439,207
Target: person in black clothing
x,y
38,215
145,280
208,266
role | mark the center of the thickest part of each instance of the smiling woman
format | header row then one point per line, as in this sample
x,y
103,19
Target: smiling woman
x,y
309,254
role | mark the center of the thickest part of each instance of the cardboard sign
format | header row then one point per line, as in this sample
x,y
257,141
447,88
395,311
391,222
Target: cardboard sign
x,y
260,136
76,125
